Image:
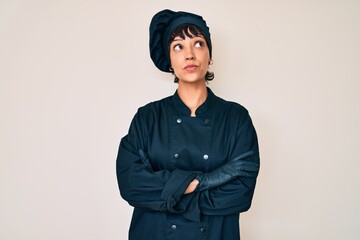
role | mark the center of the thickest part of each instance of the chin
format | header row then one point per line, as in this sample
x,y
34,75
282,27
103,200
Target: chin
x,y
192,79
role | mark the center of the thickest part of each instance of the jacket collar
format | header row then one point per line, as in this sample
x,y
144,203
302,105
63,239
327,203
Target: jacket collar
x,y
182,109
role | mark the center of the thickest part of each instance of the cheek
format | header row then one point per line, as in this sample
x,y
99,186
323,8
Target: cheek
x,y
205,58
206,61
173,60
176,64
208,57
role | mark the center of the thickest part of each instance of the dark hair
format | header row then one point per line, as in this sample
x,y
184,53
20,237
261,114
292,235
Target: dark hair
x,y
191,31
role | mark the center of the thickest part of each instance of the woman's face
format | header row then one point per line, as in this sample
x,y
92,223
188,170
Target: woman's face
x,y
189,58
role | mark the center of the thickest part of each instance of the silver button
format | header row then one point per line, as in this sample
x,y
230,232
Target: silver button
x,y
178,120
206,121
206,157
173,227
203,230
176,155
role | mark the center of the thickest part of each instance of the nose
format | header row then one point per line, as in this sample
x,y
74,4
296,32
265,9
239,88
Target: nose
x,y
190,54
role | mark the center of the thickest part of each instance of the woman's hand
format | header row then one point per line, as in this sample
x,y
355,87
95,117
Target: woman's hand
x,y
192,186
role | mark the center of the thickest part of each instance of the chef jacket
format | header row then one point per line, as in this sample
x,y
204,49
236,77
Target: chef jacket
x,y
178,147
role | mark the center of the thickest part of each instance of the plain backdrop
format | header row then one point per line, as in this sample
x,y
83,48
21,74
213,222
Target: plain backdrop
x,y
74,72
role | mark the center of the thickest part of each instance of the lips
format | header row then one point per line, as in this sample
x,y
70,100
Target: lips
x,y
191,67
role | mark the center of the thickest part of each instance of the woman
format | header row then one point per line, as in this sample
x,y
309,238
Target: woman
x,y
189,162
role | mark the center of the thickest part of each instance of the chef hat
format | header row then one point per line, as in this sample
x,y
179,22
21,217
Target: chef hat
x,y
162,25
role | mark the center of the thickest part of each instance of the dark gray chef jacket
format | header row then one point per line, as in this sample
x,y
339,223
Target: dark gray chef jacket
x,y
178,147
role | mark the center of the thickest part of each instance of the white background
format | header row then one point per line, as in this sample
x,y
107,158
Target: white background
x,y
74,72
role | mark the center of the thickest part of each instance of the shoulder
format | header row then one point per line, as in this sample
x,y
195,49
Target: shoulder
x,y
154,107
236,116
234,113
229,107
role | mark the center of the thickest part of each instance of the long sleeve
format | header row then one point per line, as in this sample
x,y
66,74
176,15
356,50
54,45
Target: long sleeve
x,y
140,186
236,195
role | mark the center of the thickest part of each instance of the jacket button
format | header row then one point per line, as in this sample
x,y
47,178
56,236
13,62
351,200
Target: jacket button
x,y
178,120
173,227
206,157
206,121
176,155
203,230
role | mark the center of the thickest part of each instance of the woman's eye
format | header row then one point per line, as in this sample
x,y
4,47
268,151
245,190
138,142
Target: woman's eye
x,y
199,44
177,47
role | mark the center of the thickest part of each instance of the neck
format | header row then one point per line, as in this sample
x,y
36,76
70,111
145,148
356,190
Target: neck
x,y
192,95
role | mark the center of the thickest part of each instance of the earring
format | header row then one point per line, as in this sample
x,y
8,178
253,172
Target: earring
x,y
211,62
